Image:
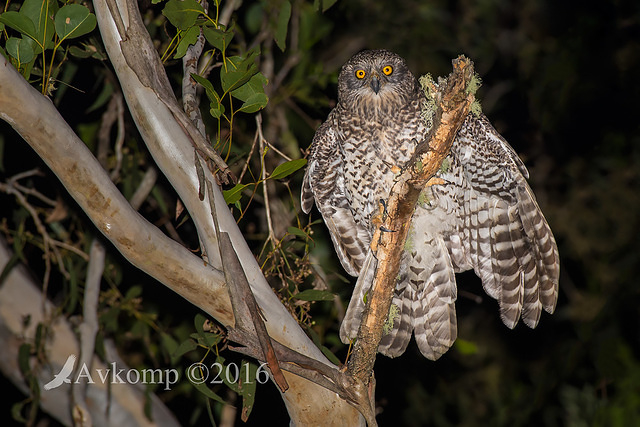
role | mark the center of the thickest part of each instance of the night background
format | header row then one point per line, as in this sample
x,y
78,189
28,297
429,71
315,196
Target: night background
x,y
560,83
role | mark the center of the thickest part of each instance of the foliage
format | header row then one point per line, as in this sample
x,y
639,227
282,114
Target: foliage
x,y
45,27
559,82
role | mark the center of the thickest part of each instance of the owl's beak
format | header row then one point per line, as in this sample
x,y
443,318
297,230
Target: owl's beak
x,y
375,84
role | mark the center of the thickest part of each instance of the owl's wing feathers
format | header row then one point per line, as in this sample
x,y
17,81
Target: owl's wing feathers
x,y
504,236
324,183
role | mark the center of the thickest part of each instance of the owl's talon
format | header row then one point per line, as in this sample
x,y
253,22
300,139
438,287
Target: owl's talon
x,y
383,210
383,228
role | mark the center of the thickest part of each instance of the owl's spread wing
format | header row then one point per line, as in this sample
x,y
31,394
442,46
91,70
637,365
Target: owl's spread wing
x,y
324,183
504,236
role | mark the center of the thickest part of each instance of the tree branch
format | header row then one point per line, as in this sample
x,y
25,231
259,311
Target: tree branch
x,y
20,299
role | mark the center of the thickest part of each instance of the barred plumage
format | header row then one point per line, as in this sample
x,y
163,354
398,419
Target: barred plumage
x,y
485,217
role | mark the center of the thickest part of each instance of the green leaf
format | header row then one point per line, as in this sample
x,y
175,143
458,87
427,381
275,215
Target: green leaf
x,y
297,232
20,49
103,97
80,53
216,110
41,14
254,103
204,82
182,13
13,261
323,5
247,389
207,339
17,409
74,20
314,295
287,168
198,322
185,347
202,388
219,39
74,288
235,72
332,357
24,354
233,195
253,18
188,38
231,78
282,26
19,22
170,345
110,319
133,292
255,85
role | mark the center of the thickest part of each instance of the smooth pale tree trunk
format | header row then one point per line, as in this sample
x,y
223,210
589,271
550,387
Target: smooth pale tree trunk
x,y
155,112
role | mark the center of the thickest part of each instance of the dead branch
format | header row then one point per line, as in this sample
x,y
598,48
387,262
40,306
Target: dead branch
x,y
241,296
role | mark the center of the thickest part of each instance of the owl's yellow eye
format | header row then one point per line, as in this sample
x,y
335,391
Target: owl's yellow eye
x,y
360,74
387,70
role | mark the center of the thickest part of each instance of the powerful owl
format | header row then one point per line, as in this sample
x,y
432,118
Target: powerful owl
x,y
483,217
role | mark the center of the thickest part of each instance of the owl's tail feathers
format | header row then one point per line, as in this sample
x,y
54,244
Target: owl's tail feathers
x,y
399,325
432,295
423,303
432,320
351,321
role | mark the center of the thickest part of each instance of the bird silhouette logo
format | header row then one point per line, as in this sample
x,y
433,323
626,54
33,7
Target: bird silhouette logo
x,y
63,375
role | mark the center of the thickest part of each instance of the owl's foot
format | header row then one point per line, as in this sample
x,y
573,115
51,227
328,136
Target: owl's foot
x,y
435,181
377,220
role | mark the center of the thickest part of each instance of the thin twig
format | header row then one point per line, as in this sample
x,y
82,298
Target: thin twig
x,y
119,103
71,248
253,149
190,99
22,200
265,189
88,330
284,156
35,193
225,14
144,188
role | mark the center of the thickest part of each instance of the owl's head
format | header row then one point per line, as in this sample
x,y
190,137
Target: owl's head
x,y
375,81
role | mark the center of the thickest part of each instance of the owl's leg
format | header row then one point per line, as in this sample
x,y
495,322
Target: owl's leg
x,y
377,220
381,216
